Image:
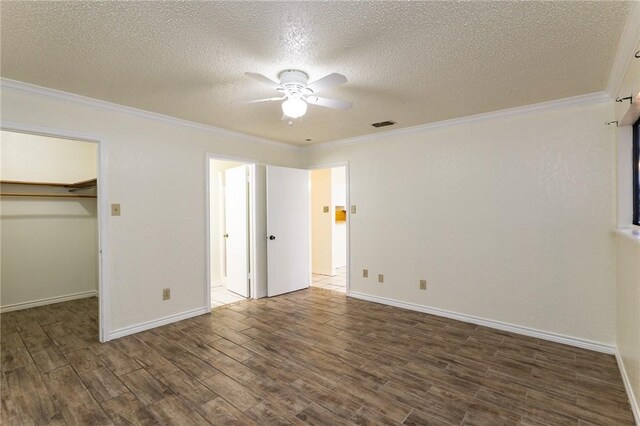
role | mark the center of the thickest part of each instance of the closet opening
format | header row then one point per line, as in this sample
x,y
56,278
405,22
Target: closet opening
x,y
329,228
50,262
231,231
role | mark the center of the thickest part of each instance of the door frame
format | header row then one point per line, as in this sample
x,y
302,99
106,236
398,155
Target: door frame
x,y
102,207
344,164
253,222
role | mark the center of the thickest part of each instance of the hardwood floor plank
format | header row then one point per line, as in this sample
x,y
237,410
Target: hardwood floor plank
x,y
115,360
267,413
144,386
231,367
77,405
233,392
231,349
279,394
102,384
189,390
316,415
28,399
171,411
14,354
308,357
49,359
126,409
193,366
84,360
220,412
365,416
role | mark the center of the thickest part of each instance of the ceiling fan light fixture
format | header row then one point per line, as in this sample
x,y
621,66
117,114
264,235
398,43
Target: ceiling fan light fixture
x,y
294,107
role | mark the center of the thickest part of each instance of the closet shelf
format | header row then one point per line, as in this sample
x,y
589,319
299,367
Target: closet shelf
x,y
77,185
45,195
85,184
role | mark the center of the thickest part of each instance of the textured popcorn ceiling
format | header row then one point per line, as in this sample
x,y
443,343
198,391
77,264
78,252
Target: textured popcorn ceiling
x,y
413,63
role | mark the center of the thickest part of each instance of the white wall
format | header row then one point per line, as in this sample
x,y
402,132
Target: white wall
x,y
321,223
339,198
156,171
36,158
507,218
50,245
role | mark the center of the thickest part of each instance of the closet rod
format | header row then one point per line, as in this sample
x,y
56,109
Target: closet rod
x,y
51,195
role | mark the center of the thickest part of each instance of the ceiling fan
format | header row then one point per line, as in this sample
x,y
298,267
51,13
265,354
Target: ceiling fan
x,y
296,93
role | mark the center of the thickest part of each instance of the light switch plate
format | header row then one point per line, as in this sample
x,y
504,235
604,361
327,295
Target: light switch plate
x,y
380,278
353,209
325,209
365,273
423,284
115,209
166,293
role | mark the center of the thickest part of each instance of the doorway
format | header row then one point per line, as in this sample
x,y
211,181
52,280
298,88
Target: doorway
x,y
51,223
231,230
329,228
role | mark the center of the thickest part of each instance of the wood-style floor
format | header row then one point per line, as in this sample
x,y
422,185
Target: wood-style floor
x,y
313,356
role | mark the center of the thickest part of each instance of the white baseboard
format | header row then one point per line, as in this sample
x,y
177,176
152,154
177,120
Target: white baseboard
x,y
635,409
262,294
217,284
47,301
143,326
545,335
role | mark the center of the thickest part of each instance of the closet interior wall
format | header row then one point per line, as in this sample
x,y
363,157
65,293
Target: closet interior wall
x,y
49,233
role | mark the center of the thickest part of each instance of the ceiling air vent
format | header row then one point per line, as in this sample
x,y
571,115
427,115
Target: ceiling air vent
x,y
384,123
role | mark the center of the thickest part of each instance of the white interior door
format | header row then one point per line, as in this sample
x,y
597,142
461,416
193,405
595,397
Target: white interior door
x,y
236,204
288,245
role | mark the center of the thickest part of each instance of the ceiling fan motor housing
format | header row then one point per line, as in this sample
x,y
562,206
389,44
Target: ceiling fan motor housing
x,y
294,83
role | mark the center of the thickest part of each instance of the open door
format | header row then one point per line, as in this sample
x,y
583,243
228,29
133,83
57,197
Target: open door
x,y
236,230
288,245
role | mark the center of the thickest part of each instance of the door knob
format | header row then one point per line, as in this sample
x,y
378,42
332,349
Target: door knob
x,y
272,237
226,235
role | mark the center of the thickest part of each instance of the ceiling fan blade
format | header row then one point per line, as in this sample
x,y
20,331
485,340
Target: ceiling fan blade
x,y
329,103
327,82
263,79
255,101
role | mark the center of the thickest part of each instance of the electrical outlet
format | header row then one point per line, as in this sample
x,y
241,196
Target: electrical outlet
x,y
423,284
365,273
380,278
353,209
325,209
115,209
166,293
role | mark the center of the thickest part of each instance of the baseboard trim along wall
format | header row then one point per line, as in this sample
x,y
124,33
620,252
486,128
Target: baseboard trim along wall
x,y
47,301
635,409
143,326
545,335
262,294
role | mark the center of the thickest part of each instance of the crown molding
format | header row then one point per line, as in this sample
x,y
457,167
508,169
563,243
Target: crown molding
x,y
14,86
591,98
31,89
627,46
